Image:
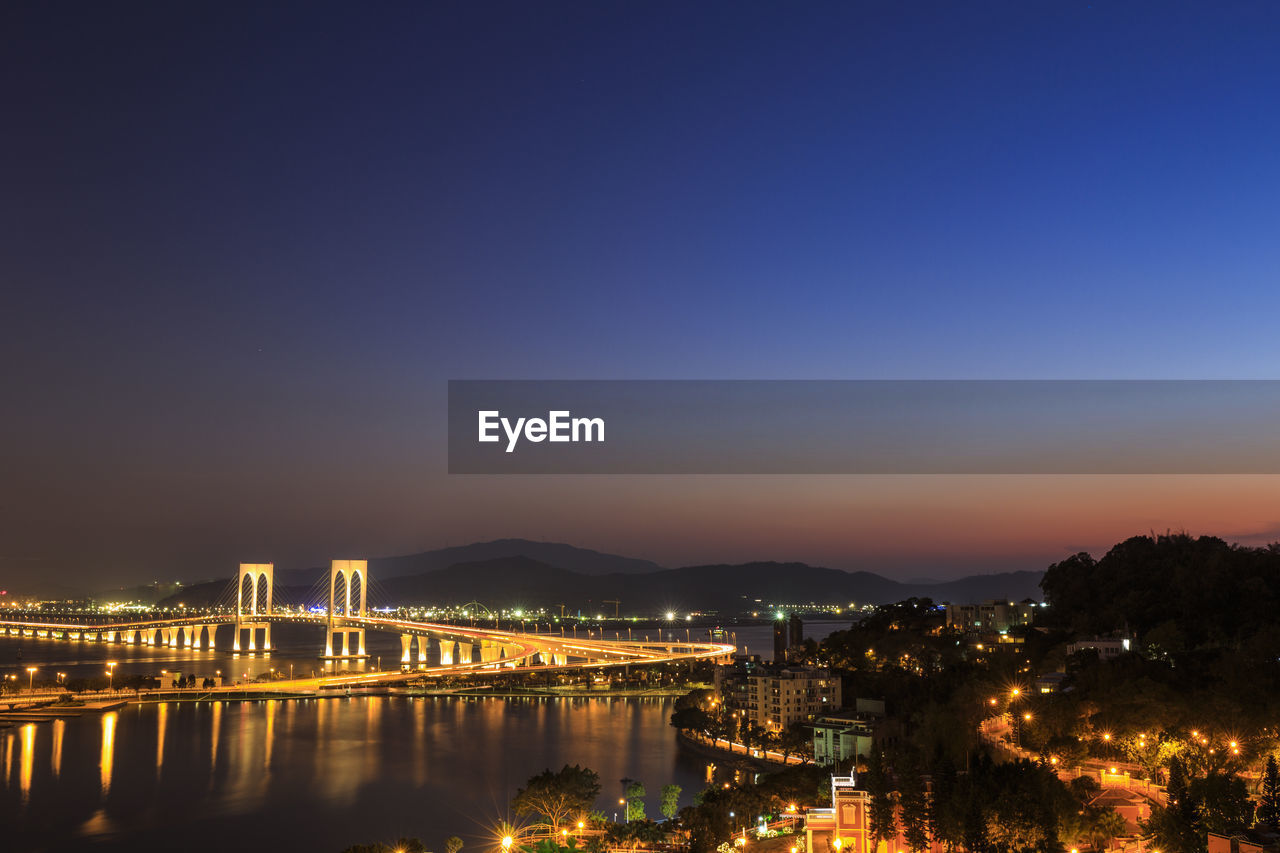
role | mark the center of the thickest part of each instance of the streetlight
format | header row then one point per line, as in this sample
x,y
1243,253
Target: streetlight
x,y
507,841
111,675
31,679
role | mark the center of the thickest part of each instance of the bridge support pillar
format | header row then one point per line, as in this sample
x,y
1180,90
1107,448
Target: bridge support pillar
x,y
251,639
424,645
446,652
345,643
406,644
212,630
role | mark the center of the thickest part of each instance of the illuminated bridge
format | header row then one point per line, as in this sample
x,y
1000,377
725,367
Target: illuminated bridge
x,y
346,620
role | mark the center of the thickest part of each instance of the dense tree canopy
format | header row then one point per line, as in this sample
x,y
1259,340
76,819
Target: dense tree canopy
x,y
558,796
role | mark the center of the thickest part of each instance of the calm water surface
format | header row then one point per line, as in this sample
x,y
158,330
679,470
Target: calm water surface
x,y
316,774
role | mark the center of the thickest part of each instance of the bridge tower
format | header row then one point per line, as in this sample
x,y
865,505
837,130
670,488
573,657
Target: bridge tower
x,y
254,586
343,575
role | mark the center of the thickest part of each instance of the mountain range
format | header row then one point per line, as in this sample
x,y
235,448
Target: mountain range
x,y
510,573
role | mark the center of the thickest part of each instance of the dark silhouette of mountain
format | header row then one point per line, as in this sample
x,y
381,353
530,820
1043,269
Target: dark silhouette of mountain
x,y
581,560
521,581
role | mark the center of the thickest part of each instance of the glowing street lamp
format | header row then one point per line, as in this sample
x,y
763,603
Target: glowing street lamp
x,y
111,674
31,678
507,841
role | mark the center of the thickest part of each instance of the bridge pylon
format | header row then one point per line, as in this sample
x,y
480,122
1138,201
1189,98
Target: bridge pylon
x,y
342,641
260,578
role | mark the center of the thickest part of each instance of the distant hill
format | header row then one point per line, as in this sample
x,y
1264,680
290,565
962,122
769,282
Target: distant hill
x,y
581,560
523,581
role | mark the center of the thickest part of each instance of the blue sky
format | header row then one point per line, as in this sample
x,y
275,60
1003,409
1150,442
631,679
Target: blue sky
x,y
247,247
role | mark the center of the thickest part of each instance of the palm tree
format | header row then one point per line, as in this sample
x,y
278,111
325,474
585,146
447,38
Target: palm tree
x,y
1105,825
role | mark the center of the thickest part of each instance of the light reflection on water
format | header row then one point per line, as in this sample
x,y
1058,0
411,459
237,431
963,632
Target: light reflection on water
x,y
321,774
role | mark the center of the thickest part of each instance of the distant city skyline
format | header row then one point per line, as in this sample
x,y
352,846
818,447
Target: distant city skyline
x,y
247,248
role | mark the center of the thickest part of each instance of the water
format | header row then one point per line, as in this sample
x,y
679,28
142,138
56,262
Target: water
x,y
318,774
315,774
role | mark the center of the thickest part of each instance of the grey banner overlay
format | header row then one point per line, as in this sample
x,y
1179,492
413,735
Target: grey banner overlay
x,y
873,427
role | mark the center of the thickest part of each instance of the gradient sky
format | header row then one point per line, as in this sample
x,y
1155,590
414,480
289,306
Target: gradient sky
x,y
244,248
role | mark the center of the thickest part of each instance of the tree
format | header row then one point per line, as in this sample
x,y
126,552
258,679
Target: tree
x,y
795,738
635,799
914,806
1178,796
882,823
1269,801
1222,802
670,800
946,814
1104,826
558,796
452,844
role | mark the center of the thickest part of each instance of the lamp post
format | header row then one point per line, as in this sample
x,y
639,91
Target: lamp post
x,y
31,679
111,675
